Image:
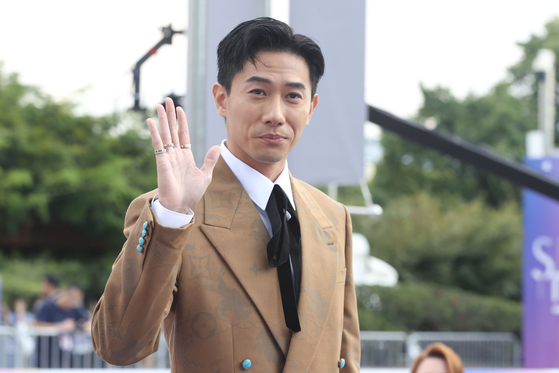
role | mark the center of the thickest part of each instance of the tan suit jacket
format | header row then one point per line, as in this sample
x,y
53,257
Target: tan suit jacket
x,y
210,285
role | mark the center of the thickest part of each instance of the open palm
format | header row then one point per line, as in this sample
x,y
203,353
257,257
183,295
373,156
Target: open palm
x,y
181,184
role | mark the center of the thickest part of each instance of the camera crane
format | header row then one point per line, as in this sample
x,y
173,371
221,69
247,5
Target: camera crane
x,y
168,33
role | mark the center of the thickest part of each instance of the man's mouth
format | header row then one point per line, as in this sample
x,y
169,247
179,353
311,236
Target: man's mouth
x,y
273,138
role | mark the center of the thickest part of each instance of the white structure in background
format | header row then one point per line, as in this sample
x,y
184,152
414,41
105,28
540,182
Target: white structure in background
x,y
334,140
373,149
368,270
541,142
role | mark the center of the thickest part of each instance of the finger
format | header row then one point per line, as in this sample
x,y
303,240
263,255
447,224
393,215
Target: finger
x,y
163,125
172,120
155,138
210,161
184,134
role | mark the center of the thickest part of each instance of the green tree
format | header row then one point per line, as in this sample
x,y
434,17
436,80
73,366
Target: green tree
x,y
450,242
430,307
21,277
522,72
497,120
445,222
58,169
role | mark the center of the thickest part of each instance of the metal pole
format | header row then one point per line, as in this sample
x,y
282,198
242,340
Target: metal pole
x,y
544,66
541,109
333,191
550,107
546,109
196,79
467,152
263,8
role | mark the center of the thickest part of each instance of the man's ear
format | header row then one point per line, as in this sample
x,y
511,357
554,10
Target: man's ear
x,y
220,99
314,102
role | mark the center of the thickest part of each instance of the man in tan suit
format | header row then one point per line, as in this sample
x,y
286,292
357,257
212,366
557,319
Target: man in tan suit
x,y
199,259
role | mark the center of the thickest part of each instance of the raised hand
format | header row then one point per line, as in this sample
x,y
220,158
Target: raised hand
x,y
181,184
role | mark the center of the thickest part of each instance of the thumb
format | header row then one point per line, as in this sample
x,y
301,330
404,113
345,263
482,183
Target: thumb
x,y
210,161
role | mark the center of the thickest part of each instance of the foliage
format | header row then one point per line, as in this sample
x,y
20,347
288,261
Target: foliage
x,y
21,277
497,121
56,167
522,72
450,242
428,307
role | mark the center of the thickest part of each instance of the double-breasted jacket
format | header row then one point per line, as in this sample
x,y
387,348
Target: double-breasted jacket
x,y
210,286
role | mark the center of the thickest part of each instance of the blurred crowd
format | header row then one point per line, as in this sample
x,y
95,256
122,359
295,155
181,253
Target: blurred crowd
x,y
57,321
61,309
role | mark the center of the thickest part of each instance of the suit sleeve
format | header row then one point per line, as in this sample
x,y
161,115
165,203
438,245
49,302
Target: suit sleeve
x,y
351,342
126,324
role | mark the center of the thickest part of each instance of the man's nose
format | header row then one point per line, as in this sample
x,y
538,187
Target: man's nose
x,y
274,111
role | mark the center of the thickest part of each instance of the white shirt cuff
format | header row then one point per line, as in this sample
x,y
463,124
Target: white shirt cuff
x,y
170,218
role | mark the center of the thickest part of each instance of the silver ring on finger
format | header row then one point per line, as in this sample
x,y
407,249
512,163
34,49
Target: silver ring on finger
x,y
170,145
186,146
162,151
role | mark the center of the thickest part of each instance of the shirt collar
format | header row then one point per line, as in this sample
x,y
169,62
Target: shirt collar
x,y
258,187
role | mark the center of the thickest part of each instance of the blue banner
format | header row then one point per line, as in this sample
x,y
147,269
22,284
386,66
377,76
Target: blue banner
x,y
540,285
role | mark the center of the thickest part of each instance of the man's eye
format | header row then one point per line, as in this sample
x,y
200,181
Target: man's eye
x,y
257,92
294,95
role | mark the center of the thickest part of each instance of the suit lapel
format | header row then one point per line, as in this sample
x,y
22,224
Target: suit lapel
x,y
234,227
318,278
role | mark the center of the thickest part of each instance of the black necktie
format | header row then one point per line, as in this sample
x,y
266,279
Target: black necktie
x,y
285,243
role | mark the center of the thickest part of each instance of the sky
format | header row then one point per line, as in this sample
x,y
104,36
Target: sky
x,y
84,51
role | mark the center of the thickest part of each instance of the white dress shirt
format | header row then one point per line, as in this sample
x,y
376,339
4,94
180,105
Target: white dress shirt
x,y
258,187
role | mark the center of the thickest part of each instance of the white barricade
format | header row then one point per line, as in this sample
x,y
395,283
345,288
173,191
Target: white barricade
x,y
25,347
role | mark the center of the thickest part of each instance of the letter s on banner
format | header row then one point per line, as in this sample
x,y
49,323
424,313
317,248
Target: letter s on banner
x,y
544,258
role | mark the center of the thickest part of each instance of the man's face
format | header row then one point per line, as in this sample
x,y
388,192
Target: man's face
x,y
65,301
267,109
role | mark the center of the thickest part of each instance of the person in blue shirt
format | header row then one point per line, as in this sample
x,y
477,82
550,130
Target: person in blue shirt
x,y
67,315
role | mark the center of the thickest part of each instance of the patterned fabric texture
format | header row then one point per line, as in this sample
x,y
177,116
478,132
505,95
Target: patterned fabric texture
x,y
210,286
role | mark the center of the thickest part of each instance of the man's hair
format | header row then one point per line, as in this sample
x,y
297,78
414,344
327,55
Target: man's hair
x,y
52,279
265,34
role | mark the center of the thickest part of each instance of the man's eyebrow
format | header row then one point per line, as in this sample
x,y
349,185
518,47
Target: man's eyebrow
x,y
296,85
259,79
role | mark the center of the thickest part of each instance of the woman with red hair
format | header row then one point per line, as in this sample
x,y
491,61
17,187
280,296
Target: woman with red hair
x,y
437,358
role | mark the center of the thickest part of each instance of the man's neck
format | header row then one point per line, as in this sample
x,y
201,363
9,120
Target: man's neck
x,y
270,170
